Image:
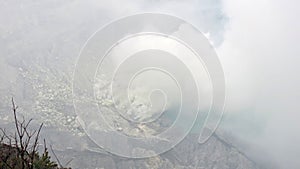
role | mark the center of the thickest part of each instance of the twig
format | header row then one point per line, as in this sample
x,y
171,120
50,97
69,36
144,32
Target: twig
x,y
60,165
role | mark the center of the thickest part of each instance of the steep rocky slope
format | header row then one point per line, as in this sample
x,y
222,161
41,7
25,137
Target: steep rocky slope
x,y
214,154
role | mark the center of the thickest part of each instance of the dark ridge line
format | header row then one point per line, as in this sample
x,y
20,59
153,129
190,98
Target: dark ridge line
x,y
230,145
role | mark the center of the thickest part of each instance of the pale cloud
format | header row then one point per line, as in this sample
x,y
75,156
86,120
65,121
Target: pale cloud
x,y
258,49
260,55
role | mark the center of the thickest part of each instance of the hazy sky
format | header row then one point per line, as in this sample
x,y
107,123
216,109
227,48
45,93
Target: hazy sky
x,y
260,55
256,40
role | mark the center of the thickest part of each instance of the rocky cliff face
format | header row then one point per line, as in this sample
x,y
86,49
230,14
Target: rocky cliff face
x,y
189,154
69,141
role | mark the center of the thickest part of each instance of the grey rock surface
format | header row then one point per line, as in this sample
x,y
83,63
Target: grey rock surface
x,y
189,154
